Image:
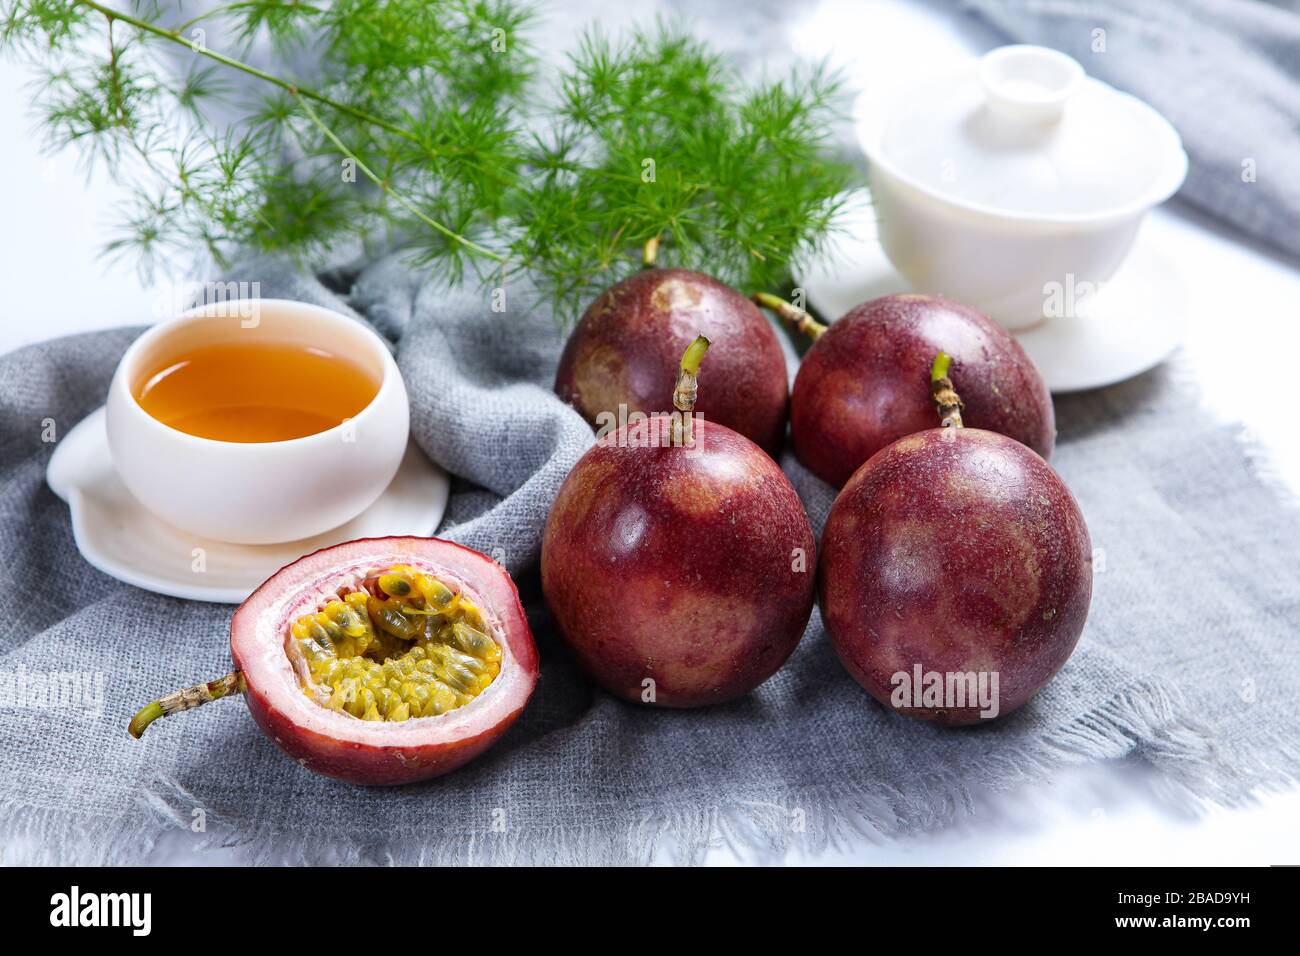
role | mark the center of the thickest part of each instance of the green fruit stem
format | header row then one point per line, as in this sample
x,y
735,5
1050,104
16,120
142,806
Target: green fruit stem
x,y
187,699
791,314
687,390
945,396
650,253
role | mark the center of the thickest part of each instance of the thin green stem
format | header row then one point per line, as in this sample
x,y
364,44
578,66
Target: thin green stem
x,y
650,252
942,361
694,354
301,91
146,716
945,396
407,204
686,391
187,699
115,77
208,15
303,95
791,314
222,10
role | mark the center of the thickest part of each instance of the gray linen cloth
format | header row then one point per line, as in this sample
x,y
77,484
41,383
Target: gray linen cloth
x,y
1189,661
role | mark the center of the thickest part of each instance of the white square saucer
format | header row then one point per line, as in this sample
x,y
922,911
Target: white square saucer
x,y
118,536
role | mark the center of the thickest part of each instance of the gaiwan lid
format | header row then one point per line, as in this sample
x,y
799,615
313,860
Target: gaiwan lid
x,y
1023,131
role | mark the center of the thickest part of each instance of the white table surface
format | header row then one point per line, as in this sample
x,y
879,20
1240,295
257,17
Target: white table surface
x,y
55,220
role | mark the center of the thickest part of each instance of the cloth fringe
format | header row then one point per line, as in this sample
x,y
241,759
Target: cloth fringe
x,y
1145,719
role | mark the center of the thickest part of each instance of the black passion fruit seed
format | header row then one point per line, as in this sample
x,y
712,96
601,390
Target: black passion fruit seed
x,y
405,646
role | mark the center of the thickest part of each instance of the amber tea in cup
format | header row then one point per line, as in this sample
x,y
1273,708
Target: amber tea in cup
x,y
255,391
301,418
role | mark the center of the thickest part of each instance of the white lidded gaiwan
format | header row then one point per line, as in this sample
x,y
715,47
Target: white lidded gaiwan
x,y
1014,175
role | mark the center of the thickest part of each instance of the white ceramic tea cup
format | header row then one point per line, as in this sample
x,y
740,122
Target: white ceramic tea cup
x,y
258,492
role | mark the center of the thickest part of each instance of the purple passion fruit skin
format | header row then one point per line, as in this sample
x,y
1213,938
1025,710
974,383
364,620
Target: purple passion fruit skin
x,y
679,565
958,550
627,346
863,383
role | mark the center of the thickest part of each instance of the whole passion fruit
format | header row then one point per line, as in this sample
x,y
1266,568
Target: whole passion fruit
x,y
624,354
678,560
862,384
956,571
379,661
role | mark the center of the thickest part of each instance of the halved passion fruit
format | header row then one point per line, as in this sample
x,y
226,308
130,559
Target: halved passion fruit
x,y
379,661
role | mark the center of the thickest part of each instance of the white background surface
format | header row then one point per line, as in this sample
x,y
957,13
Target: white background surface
x,y
1244,302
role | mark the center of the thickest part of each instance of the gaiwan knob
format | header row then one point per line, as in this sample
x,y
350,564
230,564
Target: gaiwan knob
x,y
1029,84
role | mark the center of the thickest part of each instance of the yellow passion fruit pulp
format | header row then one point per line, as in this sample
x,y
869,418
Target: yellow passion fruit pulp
x,y
405,645
347,657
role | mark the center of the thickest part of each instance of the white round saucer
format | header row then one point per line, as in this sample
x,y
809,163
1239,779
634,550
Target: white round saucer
x,y
117,535
1130,325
